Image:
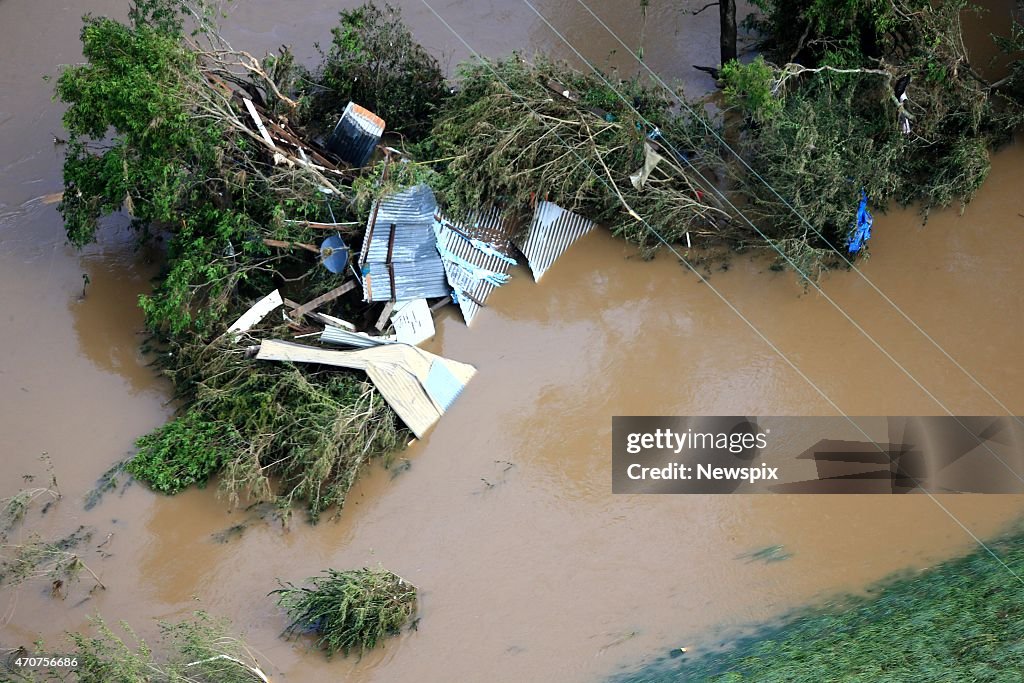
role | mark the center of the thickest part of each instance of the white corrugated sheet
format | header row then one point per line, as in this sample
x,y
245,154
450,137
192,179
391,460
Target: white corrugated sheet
x,y
552,231
404,375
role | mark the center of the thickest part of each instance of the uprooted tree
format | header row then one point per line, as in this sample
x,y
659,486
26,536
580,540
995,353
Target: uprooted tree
x,y
159,127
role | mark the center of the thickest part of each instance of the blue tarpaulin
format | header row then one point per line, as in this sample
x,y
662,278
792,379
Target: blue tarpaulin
x,y
862,229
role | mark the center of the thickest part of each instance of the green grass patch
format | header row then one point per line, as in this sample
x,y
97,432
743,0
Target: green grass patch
x,y
962,620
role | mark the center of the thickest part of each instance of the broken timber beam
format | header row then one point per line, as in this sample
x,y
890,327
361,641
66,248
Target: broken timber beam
x,y
281,244
257,312
259,123
322,299
384,315
440,304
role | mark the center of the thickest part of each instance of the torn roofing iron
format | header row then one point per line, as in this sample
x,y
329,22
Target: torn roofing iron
x,y
474,266
399,257
343,337
552,231
417,384
356,135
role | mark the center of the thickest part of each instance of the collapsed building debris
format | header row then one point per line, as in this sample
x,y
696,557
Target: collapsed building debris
x,y
399,258
476,258
418,385
552,231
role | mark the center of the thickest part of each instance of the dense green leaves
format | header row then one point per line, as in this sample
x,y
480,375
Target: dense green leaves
x,y
186,451
133,143
349,610
374,61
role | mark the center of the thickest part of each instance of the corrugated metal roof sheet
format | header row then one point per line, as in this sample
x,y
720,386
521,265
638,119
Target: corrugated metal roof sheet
x,y
442,385
475,256
356,135
552,231
400,239
423,279
343,337
400,372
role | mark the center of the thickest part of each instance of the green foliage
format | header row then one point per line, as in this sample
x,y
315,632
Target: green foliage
x,y
132,142
959,621
199,649
147,134
349,610
827,142
203,272
497,146
830,134
374,61
310,430
187,450
750,86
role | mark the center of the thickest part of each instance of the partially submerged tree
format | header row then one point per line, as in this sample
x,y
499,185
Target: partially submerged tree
x,y
206,146
349,610
158,127
374,60
872,96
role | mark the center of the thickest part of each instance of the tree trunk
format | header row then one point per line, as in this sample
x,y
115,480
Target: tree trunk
x,y
727,40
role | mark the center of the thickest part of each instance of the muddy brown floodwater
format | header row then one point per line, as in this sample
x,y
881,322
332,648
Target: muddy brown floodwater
x,y
539,574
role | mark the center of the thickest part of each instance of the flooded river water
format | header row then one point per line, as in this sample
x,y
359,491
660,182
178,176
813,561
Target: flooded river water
x,y
531,571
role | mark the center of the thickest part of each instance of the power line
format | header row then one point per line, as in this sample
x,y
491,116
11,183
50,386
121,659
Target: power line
x,y
802,218
704,280
789,260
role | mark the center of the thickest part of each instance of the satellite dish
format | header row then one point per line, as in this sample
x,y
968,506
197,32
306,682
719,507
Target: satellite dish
x,y
334,254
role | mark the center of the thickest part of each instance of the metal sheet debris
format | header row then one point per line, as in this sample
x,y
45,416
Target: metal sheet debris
x,y
356,135
442,385
257,312
399,257
413,322
552,231
342,337
400,372
476,258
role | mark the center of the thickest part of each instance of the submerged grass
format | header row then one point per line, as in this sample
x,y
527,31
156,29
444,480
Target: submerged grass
x,y
349,610
197,649
962,620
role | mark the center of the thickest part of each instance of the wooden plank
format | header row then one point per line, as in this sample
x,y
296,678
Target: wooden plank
x,y
440,304
301,144
325,319
324,226
391,264
259,123
323,298
281,244
384,315
257,312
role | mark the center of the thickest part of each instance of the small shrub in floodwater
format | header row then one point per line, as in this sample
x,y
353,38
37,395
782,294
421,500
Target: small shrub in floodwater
x,y
187,450
349,610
